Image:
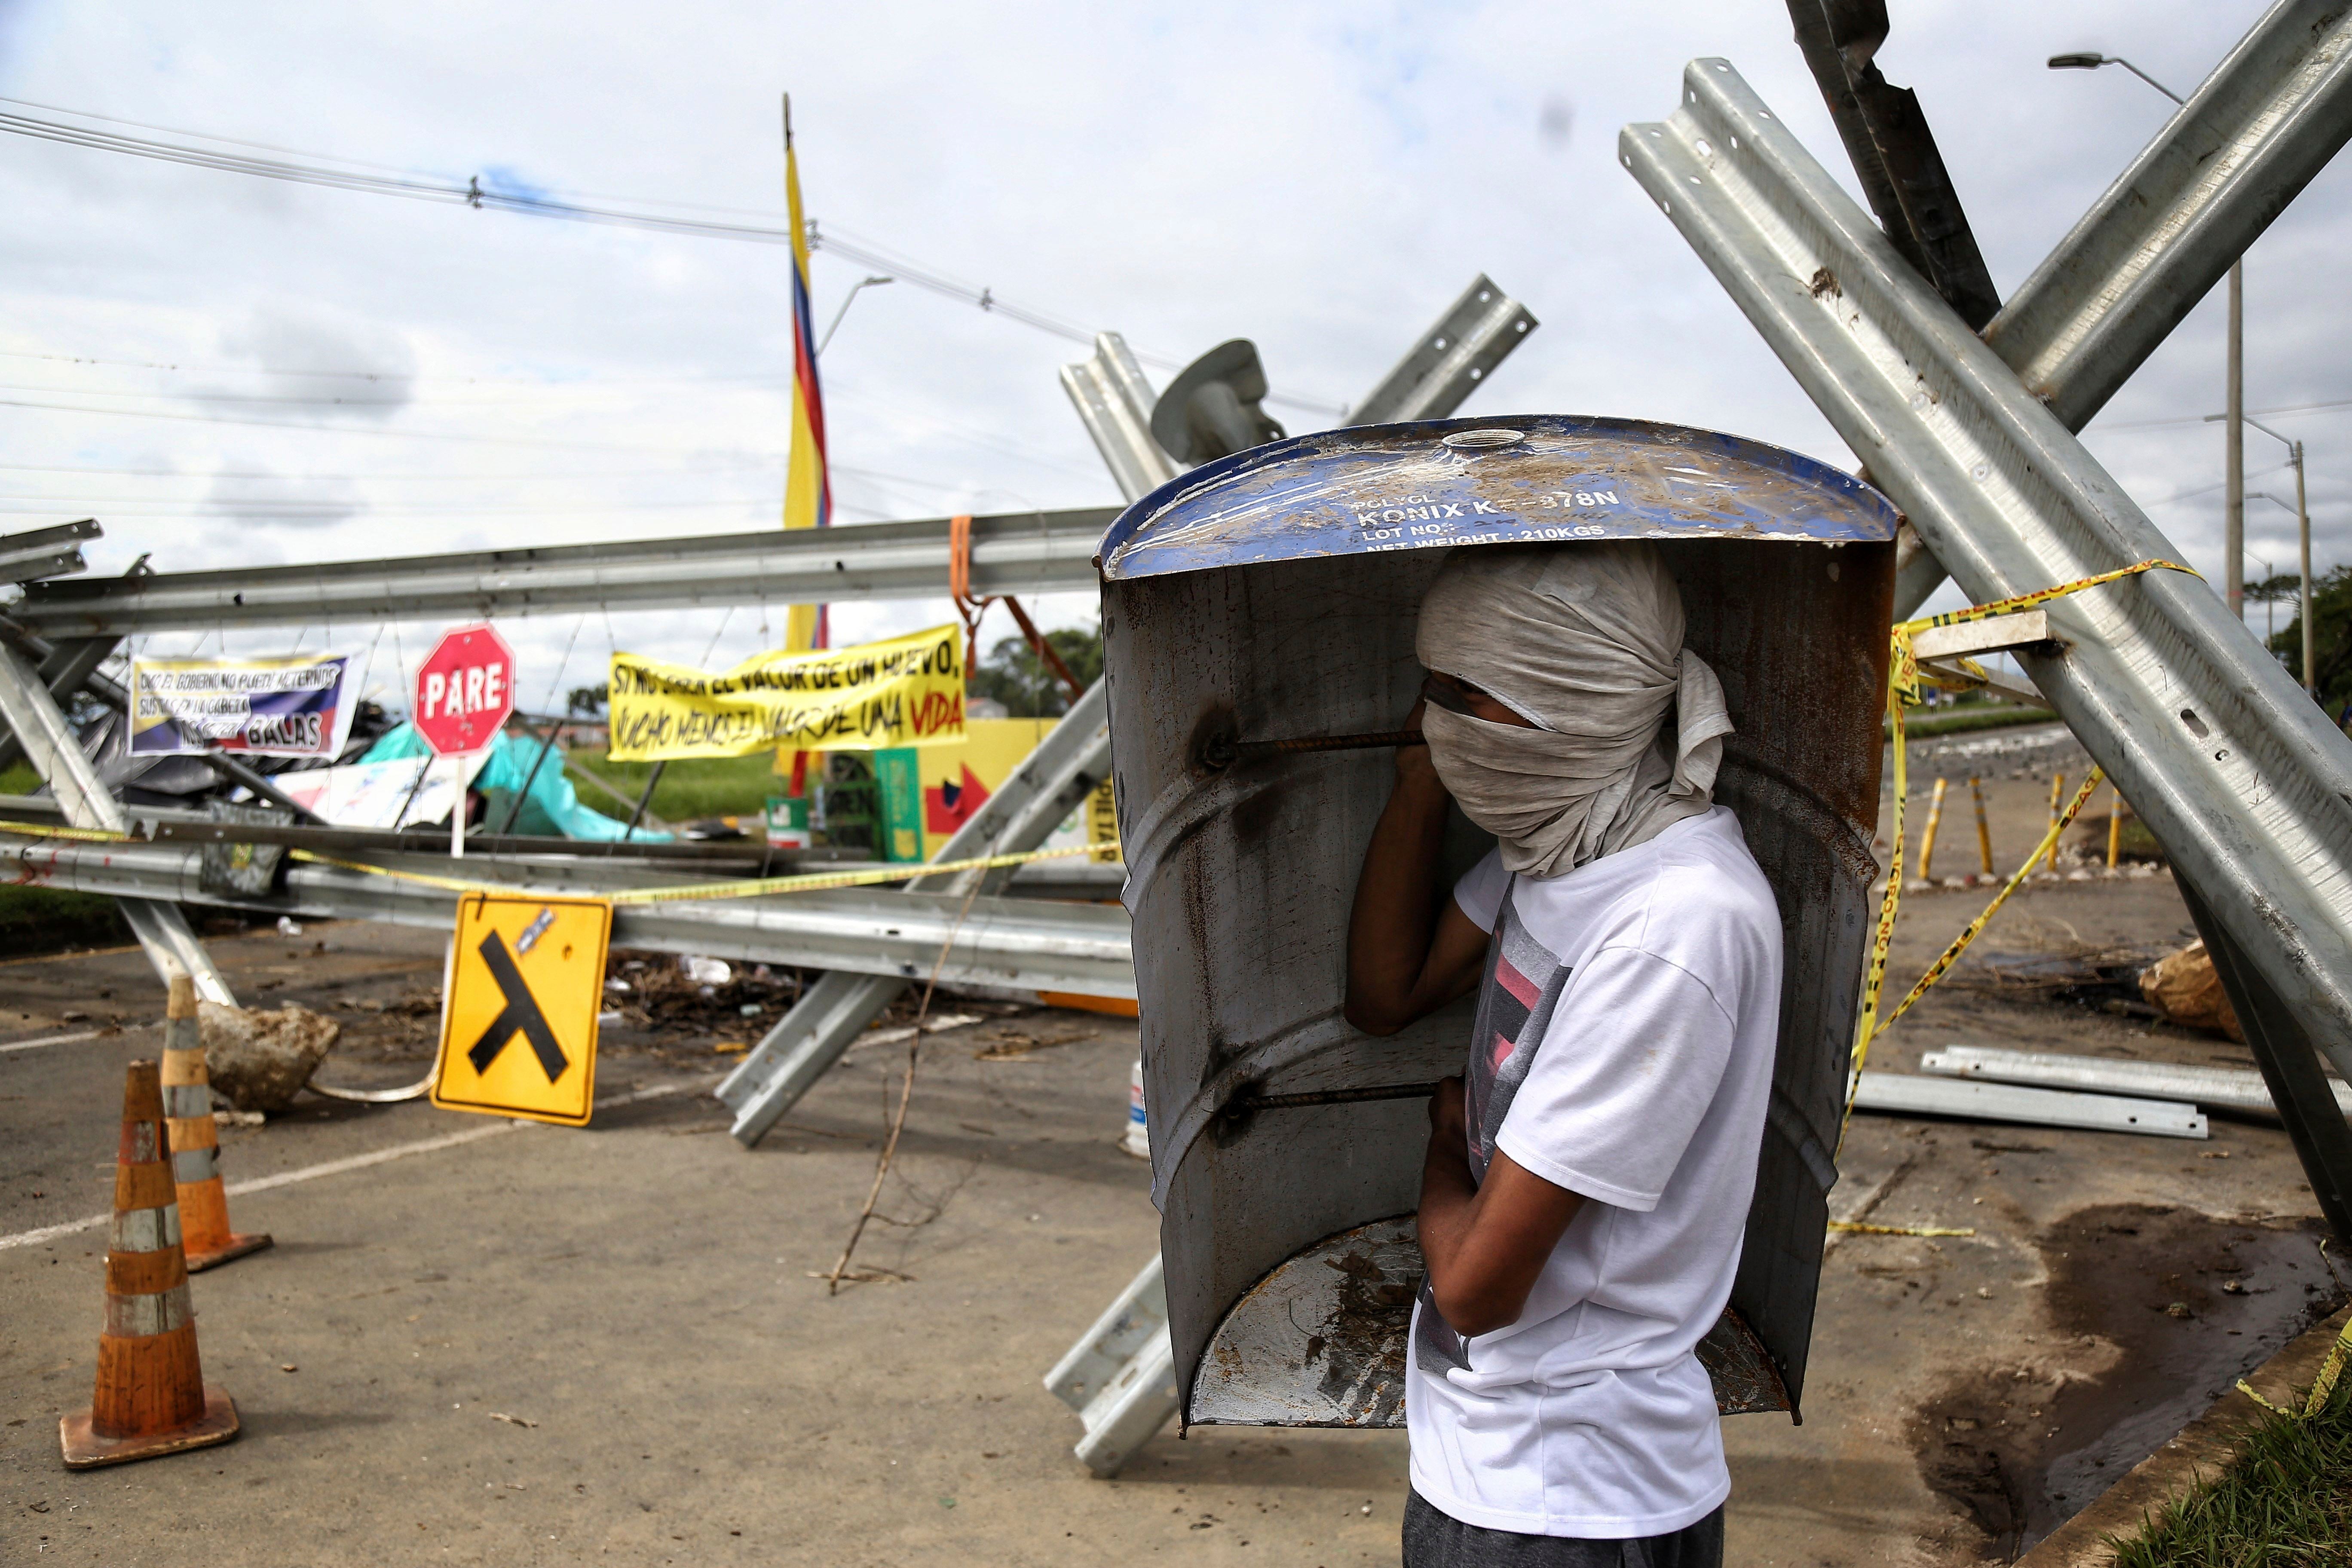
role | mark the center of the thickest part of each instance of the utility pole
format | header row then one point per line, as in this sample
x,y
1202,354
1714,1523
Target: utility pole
x,y
2233,544
2302,544
2303,539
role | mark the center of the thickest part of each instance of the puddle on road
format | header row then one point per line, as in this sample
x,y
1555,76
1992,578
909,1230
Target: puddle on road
x,y
2023,1449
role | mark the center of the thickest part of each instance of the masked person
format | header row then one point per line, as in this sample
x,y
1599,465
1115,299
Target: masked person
x,y
1588,1179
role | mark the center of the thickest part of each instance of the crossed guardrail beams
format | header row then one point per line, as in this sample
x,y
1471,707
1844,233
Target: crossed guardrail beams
x,y
2238,774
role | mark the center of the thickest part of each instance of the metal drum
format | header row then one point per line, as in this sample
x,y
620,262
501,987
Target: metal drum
x,y
1270,595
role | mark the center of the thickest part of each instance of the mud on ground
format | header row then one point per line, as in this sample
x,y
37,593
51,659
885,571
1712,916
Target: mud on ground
x,y
1967,1393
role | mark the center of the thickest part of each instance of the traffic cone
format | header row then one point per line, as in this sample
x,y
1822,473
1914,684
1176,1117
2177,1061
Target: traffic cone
x,y
205,1235
151,1396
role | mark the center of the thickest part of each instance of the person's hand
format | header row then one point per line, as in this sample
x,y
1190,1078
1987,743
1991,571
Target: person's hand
x,y
1449,1123
1413,768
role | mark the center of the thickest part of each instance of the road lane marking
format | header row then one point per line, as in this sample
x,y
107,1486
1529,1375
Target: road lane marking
x,y
337,1167
48,1040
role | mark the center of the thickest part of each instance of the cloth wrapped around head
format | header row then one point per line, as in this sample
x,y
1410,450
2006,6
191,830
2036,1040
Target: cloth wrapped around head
x,y
1585,641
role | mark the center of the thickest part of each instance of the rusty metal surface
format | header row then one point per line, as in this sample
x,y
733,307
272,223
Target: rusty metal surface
x,y
1885,134
1740,1368
1240,877
1322,1341
1519,479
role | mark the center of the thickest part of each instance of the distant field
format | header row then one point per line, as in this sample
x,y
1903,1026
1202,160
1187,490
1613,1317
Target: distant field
x,y
43,920
728,786
1923,722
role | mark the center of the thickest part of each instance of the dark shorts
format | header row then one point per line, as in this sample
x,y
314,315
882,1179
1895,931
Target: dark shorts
x,y
1436,1540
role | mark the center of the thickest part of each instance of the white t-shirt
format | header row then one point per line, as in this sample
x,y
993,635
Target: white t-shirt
x,y
1624,1050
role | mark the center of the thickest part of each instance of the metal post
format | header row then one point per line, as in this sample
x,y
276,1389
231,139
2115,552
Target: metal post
x,y
2303,542
1927,834
50,745
69,666
1451,359
1114,403
638,815
514,812
1984,829
2057,794
2233,539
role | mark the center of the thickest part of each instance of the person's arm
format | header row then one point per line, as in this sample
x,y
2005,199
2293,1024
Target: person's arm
x,y
1410,950
1484,1243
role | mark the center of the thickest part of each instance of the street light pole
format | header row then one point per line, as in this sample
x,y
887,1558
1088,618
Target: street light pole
x,y
2303,539
846,300
2234,515
2234,449
2303,542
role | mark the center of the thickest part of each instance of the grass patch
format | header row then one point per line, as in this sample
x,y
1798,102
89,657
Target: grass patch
x,y
1922,721
2285,1503
46,920
716,786
18,778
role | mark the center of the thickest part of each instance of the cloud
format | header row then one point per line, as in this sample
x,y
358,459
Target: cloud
x,y
1324,185
317,364
279,503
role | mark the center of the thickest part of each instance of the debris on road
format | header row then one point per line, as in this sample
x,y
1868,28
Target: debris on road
x,y
1903,1095
2229,1089
262,1059
2184,988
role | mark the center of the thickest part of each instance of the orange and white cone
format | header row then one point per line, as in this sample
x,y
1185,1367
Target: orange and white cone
x,y
205,1235
151,1397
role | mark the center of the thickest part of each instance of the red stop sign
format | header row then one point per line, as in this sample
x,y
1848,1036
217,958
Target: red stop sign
x,y
465,691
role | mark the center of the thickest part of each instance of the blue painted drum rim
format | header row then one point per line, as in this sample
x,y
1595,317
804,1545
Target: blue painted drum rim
x,y
1508,480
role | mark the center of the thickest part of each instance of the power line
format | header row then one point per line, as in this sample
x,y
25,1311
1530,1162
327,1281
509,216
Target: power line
x,y
412,187
355,429
166,506
2209,418
386,375
326,401
773,465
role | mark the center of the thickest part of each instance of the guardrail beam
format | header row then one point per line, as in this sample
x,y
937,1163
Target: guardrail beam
x,y
1012,552
1073,758
2241,778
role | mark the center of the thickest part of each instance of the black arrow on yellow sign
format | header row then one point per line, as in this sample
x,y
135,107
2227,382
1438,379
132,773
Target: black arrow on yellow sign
x,y
520,1014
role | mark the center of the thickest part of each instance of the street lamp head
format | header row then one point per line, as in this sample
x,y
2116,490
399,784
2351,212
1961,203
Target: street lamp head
x,y
2076,62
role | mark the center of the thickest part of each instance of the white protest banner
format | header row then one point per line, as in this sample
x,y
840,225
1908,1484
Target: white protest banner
x,y
294,706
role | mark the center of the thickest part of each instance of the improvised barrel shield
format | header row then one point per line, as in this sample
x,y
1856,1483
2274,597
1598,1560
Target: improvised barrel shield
x,y
1271,596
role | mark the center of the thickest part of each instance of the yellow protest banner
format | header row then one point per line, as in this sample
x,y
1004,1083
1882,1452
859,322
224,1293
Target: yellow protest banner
x,y
904,692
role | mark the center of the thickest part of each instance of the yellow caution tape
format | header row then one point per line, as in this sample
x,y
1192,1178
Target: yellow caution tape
x,y
2321,1388
1905,677
1854,1227
48,830
742,889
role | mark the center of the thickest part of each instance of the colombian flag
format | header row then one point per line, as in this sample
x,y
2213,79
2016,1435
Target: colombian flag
x,y
808,491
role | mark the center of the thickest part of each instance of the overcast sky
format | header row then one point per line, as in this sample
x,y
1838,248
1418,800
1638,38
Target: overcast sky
x,y
1323,179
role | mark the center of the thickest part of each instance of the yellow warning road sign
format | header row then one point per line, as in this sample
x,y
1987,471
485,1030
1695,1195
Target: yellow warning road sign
x,y
519,1038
